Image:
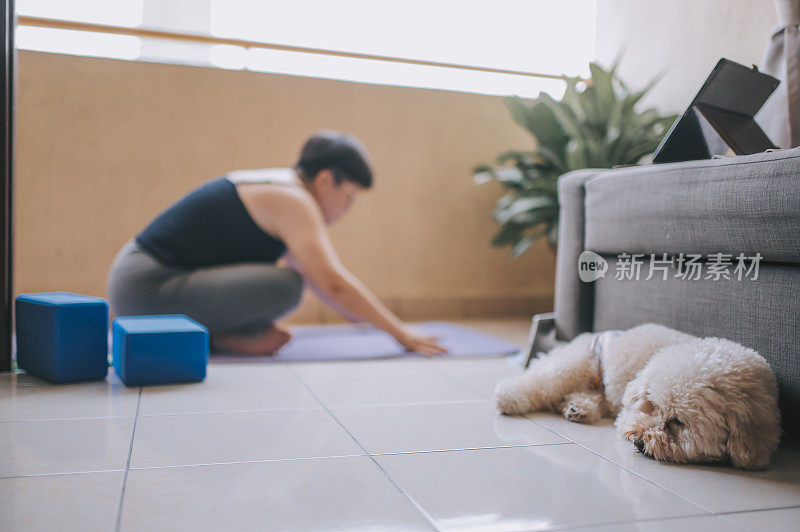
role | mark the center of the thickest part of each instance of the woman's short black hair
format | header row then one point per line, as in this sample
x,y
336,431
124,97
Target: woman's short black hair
x,y
343,154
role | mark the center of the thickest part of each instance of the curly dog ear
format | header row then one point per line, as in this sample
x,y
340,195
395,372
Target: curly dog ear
x,y
752,437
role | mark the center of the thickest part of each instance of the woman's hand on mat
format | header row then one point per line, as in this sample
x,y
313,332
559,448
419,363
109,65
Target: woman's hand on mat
x,y
422,344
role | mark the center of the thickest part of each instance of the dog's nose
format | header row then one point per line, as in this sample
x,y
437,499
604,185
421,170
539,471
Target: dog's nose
x,y
639,444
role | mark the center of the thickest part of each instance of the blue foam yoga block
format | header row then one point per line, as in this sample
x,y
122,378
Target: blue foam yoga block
x,y
160,349
62,337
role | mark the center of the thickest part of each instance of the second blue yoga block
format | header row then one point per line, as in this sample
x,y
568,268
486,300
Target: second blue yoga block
x,y
61,336
160,349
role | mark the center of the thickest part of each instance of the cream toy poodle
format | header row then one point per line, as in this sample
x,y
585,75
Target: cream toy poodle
x,y
677,397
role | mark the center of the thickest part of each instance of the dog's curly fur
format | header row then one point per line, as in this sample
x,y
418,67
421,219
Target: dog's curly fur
x,y
677,397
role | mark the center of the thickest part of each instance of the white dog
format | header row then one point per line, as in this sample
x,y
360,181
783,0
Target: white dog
x,y
678,398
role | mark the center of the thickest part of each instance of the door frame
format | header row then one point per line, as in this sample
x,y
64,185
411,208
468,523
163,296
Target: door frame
x,y
8,73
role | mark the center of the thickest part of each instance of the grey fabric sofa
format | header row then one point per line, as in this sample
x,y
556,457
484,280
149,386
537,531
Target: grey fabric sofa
x,y
732,205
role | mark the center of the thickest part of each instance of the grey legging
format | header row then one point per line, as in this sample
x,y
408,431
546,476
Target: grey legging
x,y
229,299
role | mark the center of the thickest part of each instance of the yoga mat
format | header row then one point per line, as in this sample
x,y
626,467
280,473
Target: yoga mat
x,y
359,341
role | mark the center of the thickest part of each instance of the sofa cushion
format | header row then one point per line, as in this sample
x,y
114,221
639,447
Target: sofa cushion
x,y
746,204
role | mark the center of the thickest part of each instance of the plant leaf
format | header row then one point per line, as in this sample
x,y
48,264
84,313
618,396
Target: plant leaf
x,y
596,124
523,205
508,234
536,117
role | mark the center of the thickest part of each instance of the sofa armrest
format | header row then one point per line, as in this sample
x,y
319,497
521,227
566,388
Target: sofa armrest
x,y
573,299
744,204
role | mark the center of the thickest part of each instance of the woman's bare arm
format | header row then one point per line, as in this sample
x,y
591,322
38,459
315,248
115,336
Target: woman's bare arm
x,y
297,220
292,262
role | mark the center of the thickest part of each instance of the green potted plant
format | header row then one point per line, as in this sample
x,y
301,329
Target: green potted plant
x,y
595,125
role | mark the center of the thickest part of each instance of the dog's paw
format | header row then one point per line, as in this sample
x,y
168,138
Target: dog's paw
x,y
582,408
511,404
509,398
575,413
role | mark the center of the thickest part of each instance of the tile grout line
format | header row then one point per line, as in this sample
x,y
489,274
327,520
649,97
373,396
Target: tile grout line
x,y
654,483
731,523
633,522
452,379
548,428
221,412
127,464
488,448
400,405
300,458
711,512
723,515
491,400
736,512
582,446
62,473
718,514
63,419
266,461
410,499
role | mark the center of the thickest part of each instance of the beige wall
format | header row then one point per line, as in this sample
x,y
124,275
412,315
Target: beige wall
x,y
103,146
685,37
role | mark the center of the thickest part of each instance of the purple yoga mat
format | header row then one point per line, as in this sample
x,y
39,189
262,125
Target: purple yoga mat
x,y
358,341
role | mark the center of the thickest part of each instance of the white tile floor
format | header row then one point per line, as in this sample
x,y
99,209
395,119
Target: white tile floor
x,y
379,445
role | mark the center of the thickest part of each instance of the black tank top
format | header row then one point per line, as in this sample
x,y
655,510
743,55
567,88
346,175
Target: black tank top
x,y
209,226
